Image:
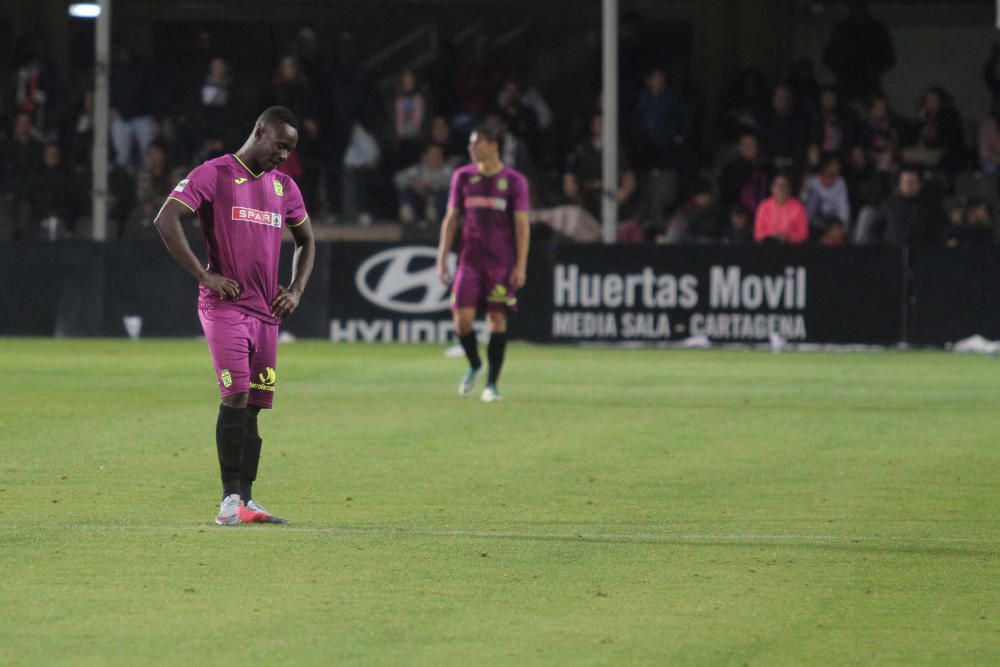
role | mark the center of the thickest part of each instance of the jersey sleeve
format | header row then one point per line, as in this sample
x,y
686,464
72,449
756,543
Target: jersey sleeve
x,y
522,195
295,207
196,189
454,196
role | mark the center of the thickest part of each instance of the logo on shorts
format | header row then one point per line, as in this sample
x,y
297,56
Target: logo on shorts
x,y
239,181
404,280
183,184
267,379
255,216
226,378
499,295
279,189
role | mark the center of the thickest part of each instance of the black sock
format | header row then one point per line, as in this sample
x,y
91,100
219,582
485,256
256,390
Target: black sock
x,y
251,455
230,430
494,352
471,348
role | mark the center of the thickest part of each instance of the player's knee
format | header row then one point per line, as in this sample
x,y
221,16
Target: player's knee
x,y
496,322
235,400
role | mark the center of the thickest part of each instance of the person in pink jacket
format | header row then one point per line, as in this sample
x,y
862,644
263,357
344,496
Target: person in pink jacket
x,y
781,217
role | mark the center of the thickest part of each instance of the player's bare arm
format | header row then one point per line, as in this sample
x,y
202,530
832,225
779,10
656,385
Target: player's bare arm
x,y
168,224
522,234
287,300
448,228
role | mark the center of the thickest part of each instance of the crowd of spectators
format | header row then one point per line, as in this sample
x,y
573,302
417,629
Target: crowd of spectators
x,y
796,161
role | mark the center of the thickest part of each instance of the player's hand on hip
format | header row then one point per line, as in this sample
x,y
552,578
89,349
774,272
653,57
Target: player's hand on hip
x,y
443,273
226,288
517,277
285,303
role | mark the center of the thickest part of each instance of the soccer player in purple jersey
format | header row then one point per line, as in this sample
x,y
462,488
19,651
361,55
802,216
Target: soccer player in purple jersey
x,y
243,204
492,203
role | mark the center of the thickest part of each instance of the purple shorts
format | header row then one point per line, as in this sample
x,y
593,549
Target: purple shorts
x,y
244,351
483,286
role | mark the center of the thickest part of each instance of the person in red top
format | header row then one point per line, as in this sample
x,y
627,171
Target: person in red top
x,y
781,217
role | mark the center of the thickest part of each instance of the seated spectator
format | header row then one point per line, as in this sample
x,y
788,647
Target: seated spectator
x,y
586,164
441,135
569,218
972,226
988,143
744,180
520,118
360,161
55,196
865,185
783,131
152,186
880,135
423,187
832,128
937,140
905,218
781,217
825,196
739,231
698,220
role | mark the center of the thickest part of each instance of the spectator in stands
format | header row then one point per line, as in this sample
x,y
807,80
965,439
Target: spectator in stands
x,y
441,135
423,187
133,108
216,112
152,185
744,180
744,104
938,139
739,231
662,124
859,52
988,142
569,218
291,89
880,135
906,218
586,164
781,217
55,196
520,119
409,115
360,162
971,226
825,197
35,87
22,157
783,131
832,130
698,220
79,135
865,186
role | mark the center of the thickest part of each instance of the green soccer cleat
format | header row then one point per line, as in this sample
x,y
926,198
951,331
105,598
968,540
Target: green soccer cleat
x,y
468,383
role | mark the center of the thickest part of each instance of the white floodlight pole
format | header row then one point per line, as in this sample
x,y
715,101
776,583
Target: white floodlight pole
x,y
99,163
609,180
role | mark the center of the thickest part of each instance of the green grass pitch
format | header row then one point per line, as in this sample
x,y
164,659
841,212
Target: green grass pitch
x,y
619,507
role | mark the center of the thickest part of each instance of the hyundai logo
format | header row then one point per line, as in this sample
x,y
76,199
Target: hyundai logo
x,y
404,279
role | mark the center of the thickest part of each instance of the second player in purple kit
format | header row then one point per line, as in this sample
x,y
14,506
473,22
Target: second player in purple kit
x,y
244,205
491,202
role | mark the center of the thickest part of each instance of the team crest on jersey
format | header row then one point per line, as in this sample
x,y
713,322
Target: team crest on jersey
x,y
279,189
180,186
226,378
502,184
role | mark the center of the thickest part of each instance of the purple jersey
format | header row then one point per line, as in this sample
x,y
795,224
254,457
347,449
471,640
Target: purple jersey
x,y
488,204
242,215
